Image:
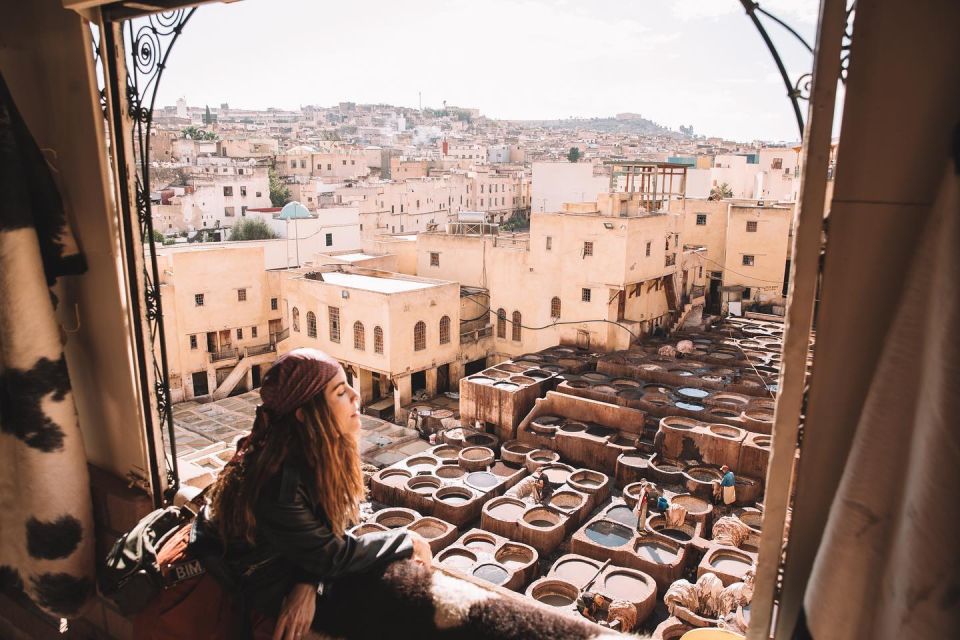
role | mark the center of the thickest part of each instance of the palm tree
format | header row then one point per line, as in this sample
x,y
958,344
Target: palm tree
x,y
720,192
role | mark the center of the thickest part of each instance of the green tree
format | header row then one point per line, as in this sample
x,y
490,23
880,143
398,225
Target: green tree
x,y
574,154
252,229
196,133
279,193
720,192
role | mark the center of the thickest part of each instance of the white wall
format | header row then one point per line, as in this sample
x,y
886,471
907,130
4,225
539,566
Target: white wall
x,y
557,182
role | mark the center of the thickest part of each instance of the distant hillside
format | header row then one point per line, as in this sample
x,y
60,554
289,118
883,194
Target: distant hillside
x,y
634,124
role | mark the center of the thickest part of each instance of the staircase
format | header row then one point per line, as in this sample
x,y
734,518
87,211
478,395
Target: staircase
x,y
261,354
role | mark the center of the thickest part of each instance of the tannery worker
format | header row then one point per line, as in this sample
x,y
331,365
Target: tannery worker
x,y
728,485
274,530
535,486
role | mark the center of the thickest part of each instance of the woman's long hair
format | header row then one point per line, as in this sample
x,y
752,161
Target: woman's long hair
x,y
330,458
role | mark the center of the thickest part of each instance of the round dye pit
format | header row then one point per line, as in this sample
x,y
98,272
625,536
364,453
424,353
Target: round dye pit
x,y
730,563
589,479
605,388
576,570
394,477
421,463
522,380
481,480
511,368
453,496
724,431
507,510
480,380
762,441
428,528
689,406
370,527
537,373
496,373
492,573
595,377
514,557
480,543
423,485
622,514
692,504
459,559
677,534
622,585
541,518
566,500
626,382
693,392
506,386
674,422
557,474
608,534
573,427
449,471
704,474
683,373
394,518
656,552
446,452
556,593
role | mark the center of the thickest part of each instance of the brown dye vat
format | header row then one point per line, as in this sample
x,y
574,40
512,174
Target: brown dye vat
x,y
694,506
448,471
423,485
421,463
557,474
540,457
522,380
511,368
481,480
725,432
507,509
753,518
369,527
537,373
625,383
513,557
506,386
395,518
429,528
501,470
573,427
622,585
587,479
722,413
454,496
457,558
495,373
481,379
556,593
607,533
492,573
515,452
704,474
605,388
480,543
541,518
577,571
475,458
481,440
763,441
395,477
678,422
655,552
729,564
445,452
566,500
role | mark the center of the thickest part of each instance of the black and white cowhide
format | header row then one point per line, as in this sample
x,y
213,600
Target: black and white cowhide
x,y
408,601
46,532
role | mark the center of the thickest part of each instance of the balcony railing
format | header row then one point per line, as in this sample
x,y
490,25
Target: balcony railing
x,y
224,354
260,349
279,336
474,336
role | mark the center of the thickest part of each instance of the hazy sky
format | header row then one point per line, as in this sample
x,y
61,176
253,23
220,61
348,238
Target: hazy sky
x,y
698,62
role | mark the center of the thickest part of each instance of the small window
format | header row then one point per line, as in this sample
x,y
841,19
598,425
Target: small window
x,y
445,330
420,336
303,164
239,333
228,211
587,249
295,319
241,295
274,304
377,340
752,226
198,299
228,191
243,210
434,259
747,261
359,336
311,324
516,326
501,323
344,162
329,167
258,194
549,243
701,219
555,307
253,332
648,249
585,295
193,342
293,164
746,293
776,163
333,317
243,191
328,239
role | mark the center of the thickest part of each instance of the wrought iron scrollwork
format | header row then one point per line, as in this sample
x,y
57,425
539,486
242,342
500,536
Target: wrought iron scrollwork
x,y
95,40
798,89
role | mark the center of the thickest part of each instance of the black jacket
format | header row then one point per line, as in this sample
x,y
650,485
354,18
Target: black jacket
x,y
294,544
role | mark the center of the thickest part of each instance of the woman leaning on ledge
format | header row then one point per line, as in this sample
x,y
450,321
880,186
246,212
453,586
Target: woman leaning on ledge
x,y
275,526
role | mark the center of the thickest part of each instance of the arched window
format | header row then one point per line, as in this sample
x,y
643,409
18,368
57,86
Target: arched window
x,y
377,340
359,336
501,323
516,326
311,324
445,330
555,308
420,336
296,319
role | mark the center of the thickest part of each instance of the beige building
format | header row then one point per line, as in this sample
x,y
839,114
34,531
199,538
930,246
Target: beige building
x,y
596,274
408,206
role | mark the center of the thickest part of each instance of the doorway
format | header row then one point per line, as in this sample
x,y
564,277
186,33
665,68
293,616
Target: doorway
x,y
200,386
475,366
713,299
255,375
443,378
418,381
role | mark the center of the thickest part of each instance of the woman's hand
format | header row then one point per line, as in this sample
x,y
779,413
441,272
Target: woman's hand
x,y
421,550
296,616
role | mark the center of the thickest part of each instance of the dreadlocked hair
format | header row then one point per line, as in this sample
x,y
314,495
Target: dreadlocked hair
x,y
329,456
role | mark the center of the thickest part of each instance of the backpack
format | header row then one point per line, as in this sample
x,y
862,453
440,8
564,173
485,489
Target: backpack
x,y
132,575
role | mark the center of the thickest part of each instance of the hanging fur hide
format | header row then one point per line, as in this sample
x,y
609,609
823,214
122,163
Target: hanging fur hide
x,y
45,512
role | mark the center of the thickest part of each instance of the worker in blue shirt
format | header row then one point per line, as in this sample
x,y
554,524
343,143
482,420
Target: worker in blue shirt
x,y
728,485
